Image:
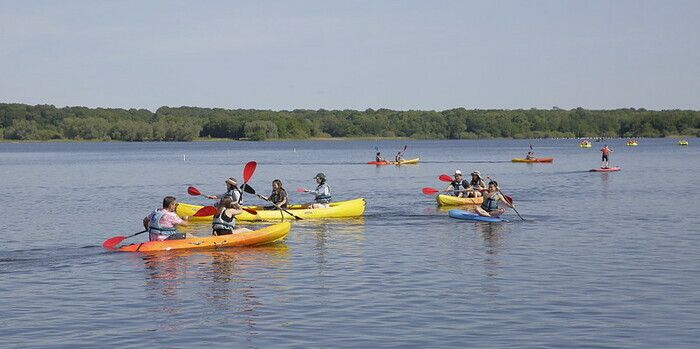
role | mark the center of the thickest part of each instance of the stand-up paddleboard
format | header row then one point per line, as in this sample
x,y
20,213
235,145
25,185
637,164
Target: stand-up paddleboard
x,y
471,216
606,169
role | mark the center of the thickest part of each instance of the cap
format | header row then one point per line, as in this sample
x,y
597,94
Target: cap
x,y
320,175
458,172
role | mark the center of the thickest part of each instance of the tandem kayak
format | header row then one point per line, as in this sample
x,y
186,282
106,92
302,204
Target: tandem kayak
x,y
448,200
340,209
585,145
605,169
631,144
258,237
471,216
533,160
403,162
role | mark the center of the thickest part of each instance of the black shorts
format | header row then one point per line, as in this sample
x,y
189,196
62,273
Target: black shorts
x,y
605,158
219,232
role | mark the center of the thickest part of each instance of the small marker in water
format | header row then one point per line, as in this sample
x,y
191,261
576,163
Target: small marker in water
x,y
183,157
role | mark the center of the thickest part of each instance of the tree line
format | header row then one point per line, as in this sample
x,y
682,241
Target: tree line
x,y
46,122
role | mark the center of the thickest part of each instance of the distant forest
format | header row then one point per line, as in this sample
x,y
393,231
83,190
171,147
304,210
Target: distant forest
x,y
46,122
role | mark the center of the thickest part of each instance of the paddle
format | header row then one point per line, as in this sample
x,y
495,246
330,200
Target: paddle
x,y
445,178
195,192
430,191
508,199
301,190
111,242
248,189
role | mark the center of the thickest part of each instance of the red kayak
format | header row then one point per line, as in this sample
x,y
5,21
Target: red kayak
x,y
606,169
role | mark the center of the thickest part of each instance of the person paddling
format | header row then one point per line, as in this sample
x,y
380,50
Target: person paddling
x,y
161,222
232,191
606,152
456,184
379,158
322,193
224,222
278,197
399,156
490,208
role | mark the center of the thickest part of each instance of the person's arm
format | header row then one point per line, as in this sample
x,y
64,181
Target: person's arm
x,y
211,197
146,222
503,198
284,198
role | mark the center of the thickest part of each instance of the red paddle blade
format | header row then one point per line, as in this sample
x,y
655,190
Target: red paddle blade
x,y
250,210
206,211
430,191
445,178
111,242
508,198
248,170
193,191
300,190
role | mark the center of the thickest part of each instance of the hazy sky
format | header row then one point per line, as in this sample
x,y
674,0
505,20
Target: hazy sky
x,y
351,54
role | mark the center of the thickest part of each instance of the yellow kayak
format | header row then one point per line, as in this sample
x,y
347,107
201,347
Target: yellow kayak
x,y
585,144
340,209
448,200
682,142
402,162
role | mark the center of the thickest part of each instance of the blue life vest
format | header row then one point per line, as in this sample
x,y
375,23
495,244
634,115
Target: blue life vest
x,y
321,197
154,226
220,224
456,185
490,204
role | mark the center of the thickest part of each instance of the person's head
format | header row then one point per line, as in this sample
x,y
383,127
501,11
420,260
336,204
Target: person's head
x,y
277,184
320,178
379,154
227,202
493,185
169,203
231,183
458,174
476,175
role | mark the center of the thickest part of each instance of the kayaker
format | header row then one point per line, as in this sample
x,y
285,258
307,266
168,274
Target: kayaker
x,y
530,155
232,191
161,222
224,222
322,193
476,185
456,184
379,158
278,196
490,208
606,152
399,156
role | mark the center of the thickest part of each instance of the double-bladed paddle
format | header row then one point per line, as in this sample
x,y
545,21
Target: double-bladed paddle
x,y
248,189
208,212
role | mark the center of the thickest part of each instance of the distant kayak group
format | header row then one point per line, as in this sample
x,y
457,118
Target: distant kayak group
x,y
398,159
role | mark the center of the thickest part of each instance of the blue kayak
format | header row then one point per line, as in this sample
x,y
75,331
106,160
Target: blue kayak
x,y
471,216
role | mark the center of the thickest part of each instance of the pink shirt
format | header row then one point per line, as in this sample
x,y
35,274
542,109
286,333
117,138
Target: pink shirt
x,y
169,219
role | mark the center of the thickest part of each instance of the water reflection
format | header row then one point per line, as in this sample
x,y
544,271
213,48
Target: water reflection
x,y
224,278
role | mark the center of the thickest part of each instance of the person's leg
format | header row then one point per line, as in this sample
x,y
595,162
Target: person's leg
x,y
482,212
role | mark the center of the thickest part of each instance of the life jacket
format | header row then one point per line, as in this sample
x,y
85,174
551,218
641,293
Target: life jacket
x,y
490,204
235,194
476,183
455,186
276,198
220,223
321,196
154,226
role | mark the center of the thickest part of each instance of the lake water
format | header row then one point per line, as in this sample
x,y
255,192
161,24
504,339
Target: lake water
x,y
602,260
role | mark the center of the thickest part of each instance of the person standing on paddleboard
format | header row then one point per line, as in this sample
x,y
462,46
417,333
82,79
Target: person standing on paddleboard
x,y
606,152
161,222
490,208
322,193
232,191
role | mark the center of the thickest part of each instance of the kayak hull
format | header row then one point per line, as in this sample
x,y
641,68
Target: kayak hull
x,y
340,209
404,162
682,143
585,145
533,160
267,235
471,216
608,169
632,144
448,200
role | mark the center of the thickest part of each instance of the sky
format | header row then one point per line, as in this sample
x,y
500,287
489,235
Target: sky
x,y
402,55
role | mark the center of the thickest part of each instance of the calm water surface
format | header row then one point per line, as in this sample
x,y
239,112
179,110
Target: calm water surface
x,y
603,260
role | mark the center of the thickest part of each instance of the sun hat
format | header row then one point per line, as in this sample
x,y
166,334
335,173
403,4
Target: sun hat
x,y
476,173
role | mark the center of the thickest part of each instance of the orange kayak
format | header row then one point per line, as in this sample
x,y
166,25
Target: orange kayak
x,y
258,237
533,160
